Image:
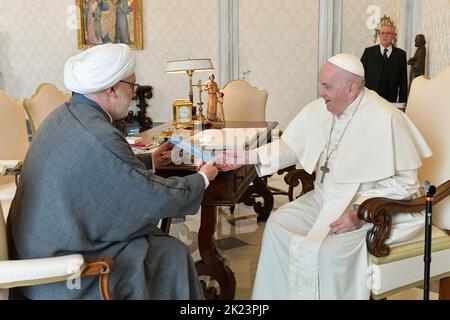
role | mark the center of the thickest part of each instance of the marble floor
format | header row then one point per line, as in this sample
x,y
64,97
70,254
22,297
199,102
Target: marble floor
x,y
238,238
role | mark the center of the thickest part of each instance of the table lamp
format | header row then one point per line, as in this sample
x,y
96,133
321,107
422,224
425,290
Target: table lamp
x,y
189,66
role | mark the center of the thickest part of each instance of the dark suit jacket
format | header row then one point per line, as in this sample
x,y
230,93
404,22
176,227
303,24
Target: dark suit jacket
x,y
372,61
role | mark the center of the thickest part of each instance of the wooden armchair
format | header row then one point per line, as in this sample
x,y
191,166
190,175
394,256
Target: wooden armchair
x,y
243,102
401,266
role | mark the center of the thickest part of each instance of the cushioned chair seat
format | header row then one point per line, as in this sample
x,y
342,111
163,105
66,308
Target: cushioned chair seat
x,y
403,268
7,190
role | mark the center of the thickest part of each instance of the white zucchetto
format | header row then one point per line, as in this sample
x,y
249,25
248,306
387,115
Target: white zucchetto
x,y
348,63
99,68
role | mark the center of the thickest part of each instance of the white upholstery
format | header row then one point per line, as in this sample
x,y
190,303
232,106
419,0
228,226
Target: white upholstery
x,y
429,108
46,98
7,191
404,267
13,142
3,250
14,273
242,102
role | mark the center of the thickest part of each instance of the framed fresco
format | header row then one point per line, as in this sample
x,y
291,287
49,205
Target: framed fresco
x,y
105,21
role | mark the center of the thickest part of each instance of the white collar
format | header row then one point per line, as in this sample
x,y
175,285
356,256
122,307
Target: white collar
x,y
349,111
389,50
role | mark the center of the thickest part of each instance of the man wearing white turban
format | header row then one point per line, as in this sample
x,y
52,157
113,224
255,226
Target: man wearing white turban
x,y
83,191
360,147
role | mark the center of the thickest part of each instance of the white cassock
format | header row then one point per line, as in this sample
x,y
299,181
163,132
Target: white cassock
x,y
378,156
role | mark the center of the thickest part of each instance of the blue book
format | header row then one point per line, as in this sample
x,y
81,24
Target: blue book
x,y
192,149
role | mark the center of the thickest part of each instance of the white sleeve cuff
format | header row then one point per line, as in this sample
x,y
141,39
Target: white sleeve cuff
x,y
205,178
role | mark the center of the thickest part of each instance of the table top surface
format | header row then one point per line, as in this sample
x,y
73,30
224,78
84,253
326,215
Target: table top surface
x,y
149,134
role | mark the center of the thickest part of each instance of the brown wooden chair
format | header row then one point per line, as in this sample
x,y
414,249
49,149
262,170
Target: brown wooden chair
x,y
243,102
401,266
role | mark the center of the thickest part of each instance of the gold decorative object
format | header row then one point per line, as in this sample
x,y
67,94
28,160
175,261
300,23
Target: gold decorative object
x,y
182,113
98,23
200,116
189,66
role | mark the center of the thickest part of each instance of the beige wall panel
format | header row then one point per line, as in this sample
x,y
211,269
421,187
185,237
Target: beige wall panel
x,y
436,28
38,36
35,40
278,43
355,34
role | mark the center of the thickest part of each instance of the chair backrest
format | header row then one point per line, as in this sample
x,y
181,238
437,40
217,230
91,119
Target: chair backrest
x,y
242,102
429,108
3,250
46,98
13,129
3,246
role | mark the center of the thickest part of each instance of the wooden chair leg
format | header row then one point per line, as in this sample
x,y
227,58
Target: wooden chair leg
x,y
444,289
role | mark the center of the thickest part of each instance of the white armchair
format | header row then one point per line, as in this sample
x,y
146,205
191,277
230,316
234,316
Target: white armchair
x,y
13,147
401,267
19,273
242,102
13,143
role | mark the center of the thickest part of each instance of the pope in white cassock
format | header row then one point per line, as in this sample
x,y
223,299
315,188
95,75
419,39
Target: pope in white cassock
x,y
361,147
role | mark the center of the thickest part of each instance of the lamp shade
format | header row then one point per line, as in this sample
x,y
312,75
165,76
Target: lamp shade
x,y
177,66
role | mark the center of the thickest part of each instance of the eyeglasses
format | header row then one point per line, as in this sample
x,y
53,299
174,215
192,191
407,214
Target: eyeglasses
x,y
134,86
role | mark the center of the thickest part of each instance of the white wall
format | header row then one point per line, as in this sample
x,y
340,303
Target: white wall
x,y
36,40
355,34
278,44
436,28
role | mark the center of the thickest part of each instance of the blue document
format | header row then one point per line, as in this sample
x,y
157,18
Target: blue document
x,y
192,149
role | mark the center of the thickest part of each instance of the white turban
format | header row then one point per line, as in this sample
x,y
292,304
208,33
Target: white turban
x,y
99,68
348,63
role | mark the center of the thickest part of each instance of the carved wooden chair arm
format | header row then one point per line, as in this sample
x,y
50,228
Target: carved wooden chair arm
x,y
379,210
101,267
16,171
293,179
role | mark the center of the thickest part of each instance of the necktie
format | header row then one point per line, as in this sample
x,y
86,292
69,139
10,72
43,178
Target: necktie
x,y
385,57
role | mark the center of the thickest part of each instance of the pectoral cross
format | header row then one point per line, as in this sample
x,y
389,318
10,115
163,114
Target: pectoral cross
x,y
324,170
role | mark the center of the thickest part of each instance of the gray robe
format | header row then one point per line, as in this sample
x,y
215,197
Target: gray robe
x,y
83,191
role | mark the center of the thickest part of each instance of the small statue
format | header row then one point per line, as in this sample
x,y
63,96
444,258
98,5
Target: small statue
x,y
417,62
220,113
213,94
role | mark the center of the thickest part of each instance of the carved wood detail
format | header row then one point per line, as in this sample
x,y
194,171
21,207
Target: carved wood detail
x,y
379,210
293,179
101,267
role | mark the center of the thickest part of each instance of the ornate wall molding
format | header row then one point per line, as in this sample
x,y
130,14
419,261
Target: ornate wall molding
x,y
228,68
330,29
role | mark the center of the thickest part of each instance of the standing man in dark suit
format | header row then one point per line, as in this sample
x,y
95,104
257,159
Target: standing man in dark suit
x,y
385,67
